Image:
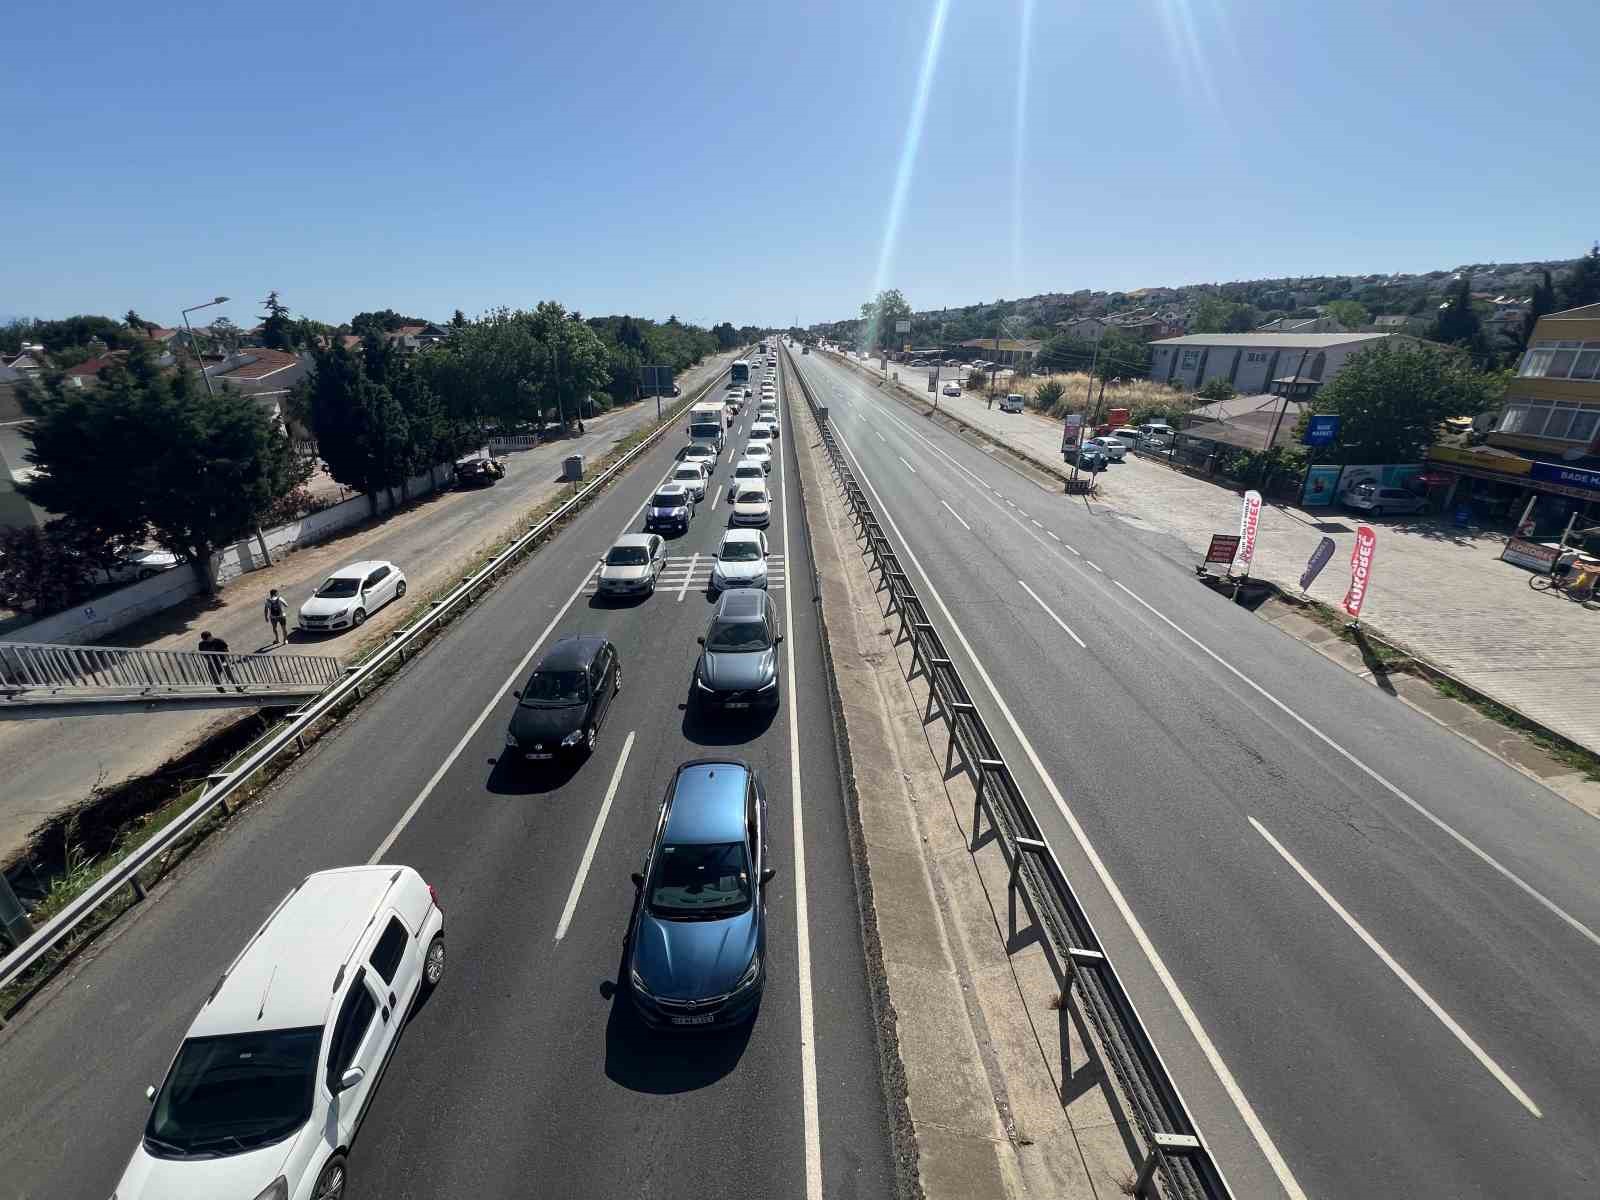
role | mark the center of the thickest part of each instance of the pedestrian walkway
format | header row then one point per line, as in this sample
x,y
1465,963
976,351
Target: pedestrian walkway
x,y
1440,592
687,572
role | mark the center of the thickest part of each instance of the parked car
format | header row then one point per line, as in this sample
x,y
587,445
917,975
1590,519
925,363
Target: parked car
x,y
1012,403
1158,429
696,949
1370,498
269,1086
741,560
951,389
1112,448
565,702
133,565
738,665
479,472
352,594
692,473
672,507
632,566
1128,436
752,505
1091,457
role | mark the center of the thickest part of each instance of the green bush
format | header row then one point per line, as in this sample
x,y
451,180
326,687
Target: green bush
x,y
1048,394
1217,389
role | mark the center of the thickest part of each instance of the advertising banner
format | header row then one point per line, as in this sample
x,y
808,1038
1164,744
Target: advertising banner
x,y
1249,522
1322,482
1360,570
1536,556
1319,559
1322,429
1071,431
1222,549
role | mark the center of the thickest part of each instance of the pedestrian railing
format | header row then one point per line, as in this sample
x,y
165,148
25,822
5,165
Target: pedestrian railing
x,y
33,673
1176,1159
225,786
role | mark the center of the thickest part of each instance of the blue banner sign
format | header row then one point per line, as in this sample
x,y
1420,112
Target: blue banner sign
x,y
1321,429
1576,477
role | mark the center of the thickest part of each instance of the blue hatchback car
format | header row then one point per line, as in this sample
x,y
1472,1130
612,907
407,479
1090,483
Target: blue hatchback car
x,y
697,946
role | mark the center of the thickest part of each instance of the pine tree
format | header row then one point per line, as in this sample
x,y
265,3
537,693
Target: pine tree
x,y
277,330
1544,301
1582,284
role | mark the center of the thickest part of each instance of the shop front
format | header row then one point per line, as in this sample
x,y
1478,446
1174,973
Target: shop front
x,y
1518,494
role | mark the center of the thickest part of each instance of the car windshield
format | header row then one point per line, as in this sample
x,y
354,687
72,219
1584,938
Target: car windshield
x,y
735,636
700,879
687,471
751,472
668,500
555,689
226,1095
338,588
627,556
740,551
752,498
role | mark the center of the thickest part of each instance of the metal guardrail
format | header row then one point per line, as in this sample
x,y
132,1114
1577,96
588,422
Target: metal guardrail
x,y
219,788
1175,1154
36,671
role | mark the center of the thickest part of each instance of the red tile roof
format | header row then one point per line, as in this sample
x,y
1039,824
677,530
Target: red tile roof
x,y
89,368
266,363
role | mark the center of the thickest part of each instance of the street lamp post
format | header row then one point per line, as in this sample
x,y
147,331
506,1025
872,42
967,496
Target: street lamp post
x,y
200,362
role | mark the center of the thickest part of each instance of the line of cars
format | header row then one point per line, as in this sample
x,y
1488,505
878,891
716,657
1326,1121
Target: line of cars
x,y
273,1077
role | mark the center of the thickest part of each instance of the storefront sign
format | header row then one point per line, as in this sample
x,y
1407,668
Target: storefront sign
x,y
1360,570
1249,522
1322,429
1535,556
1322,479
1571,477
1222,549
1488,460
1319,559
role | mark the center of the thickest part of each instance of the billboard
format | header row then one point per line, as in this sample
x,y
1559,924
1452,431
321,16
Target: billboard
x,y
1223,548
902,326
1322,429
1322,481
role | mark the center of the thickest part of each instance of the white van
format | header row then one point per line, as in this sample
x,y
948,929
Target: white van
x,y
1012,403
268,1089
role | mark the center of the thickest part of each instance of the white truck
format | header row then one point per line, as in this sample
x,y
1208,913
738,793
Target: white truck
x,y
706,424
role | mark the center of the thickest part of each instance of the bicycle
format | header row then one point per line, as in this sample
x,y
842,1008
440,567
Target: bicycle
x,y
1576,585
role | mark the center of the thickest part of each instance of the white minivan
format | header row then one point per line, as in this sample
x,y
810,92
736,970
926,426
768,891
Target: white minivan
x,y
1012,403
267,1091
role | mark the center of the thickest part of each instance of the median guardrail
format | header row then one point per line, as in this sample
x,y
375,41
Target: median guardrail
x,y
1176,1159
221,787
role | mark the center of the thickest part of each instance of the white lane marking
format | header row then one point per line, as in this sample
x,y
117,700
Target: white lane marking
x,y
716,494
594,840
880,437
802,920
1074,549
1402,974
1460,839
688,575
1036,524
1241,1102
1053,534
1095,565
1052,614
908,466
957,516
494,701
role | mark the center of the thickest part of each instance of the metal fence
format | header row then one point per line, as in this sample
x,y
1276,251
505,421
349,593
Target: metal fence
x,y
32,671
1176,1157
225,785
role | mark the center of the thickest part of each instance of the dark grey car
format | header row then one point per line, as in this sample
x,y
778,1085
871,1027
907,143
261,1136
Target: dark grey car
x,y
738,667
566,699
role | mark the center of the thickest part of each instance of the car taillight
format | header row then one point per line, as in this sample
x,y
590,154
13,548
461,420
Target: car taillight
x,y
434,896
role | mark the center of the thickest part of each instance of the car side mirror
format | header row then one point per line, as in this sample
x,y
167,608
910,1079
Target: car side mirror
x,y
351,1077
517,692
767,873
777,639
150,1092
638,879
701,640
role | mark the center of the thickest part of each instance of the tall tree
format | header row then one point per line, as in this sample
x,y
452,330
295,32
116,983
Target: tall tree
x,y
137,323
1350,313
1393,397
458,319
879,315
277,330
1457,323
1582,284
1542,302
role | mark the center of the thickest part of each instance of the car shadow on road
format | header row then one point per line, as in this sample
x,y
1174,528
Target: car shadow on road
x,y
510,776
710,727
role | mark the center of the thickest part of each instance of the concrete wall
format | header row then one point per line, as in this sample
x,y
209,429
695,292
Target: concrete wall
x,y
104,615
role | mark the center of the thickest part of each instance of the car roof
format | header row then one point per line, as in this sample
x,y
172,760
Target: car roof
x,y
707,802
285,978
572,653
758,486
747,462
740,605
635,539
362,569
672,489
740,535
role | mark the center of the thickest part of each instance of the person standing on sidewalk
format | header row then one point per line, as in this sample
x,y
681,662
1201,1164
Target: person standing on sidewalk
x,y
217,661
277,615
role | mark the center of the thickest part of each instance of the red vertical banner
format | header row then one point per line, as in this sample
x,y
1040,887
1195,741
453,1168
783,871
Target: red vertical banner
x,y
1249,521
1360,570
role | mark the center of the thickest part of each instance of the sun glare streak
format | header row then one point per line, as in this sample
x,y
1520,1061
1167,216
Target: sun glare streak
x,y
1019,135
1183,43
913,141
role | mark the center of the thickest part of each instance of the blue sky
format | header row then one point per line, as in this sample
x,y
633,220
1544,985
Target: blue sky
x,y
740,161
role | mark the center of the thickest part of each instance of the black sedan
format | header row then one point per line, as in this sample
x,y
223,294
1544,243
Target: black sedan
x,y
738,667
479,472
566,699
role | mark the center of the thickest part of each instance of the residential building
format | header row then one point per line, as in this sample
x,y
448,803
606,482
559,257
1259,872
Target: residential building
x,y
1252,362
1302,325
1087,329
264,374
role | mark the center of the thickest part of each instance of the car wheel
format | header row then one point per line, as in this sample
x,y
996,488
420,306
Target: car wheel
x,y
146,573
358,618
330,1184
588,740
616,684
433,963
400,589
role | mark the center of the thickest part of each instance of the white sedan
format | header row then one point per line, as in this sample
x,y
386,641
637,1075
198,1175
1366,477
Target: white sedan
x,y
760,452
693,476
1113,449
741,560
746,470
633,565
752,505
352,594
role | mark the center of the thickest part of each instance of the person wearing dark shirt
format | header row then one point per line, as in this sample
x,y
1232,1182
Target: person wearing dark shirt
x,y
218,662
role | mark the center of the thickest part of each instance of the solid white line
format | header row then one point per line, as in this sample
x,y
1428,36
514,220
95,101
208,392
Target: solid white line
x,y
908,466
1403,975
1053,534
716,495
957,516
594,840
494,702
802,919
1053,616
1036,523
1095,565
1460,839
693,558
1074,549
880,437
1247,1112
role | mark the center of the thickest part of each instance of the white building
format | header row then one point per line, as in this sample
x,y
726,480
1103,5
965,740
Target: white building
x,y
1251,361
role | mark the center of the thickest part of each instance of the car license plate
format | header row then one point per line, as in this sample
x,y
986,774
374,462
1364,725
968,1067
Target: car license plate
x,y
699,1019
738,704
539,755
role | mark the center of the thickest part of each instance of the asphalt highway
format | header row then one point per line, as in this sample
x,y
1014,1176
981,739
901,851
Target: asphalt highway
x,y
526,1073
1367,949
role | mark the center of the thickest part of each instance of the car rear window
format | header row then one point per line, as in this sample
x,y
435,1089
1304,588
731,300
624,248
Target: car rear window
x,y
752,497
668,500
627,556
